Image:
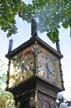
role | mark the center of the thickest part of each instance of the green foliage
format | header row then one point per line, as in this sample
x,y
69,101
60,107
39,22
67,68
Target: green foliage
x,y
53,35
3,75
8,11
49,12
6,99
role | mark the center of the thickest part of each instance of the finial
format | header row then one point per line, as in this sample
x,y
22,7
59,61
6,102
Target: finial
x,y
57,45
10,45
33,27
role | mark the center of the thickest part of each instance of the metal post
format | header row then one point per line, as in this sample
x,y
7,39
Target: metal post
x,y
57,45
36,99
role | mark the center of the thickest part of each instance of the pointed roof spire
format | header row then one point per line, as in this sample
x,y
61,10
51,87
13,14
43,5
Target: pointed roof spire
x,y
33,27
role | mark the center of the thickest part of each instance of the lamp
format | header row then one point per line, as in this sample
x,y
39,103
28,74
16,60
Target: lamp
x,y
63,105
60,103
60,97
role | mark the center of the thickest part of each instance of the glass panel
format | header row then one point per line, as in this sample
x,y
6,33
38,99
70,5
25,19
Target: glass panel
x,y
41,102
48,67
22,67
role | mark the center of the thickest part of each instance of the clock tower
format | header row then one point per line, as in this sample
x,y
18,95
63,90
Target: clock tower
x,y
34,73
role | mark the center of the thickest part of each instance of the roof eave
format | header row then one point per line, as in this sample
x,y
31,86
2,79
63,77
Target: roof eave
x,y
30,42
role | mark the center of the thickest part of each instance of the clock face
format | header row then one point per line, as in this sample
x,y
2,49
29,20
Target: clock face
x,y
48,67
22,67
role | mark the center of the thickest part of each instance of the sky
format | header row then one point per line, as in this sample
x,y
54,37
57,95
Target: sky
x,y
24,33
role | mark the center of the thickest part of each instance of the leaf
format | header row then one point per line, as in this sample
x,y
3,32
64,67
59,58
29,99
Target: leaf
x,y
65,24
53,35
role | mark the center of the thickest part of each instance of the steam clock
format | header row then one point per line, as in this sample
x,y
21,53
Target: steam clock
x,y
34,73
